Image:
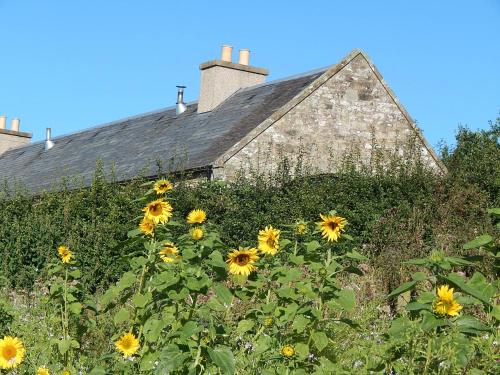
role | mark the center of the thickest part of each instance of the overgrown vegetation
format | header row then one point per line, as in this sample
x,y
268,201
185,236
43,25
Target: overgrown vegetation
x,y
396,215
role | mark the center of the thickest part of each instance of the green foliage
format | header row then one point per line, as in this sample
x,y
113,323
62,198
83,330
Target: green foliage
x,y
475,159
410,206
454,339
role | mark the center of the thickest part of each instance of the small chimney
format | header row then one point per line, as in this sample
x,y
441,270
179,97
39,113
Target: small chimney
x,y
14,124
244,57
222,78
180,106
13,137
227,53
48,139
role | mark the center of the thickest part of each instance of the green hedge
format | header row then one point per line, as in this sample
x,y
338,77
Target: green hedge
x,y
393,214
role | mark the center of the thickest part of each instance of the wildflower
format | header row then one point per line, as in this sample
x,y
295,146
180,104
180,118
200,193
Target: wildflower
x,y
65,254
268,322
128,344
241,261
269,240
196,217
147,226
169,252
300,227
11,352
358,363
158,211
288,351
66,372
331,226
42,371
445,304
162,186
197,234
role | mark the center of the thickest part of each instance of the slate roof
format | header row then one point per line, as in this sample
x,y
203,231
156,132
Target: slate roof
x,y
186,142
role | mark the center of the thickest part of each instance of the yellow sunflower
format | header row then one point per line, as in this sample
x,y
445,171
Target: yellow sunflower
x,y
128,344
300,228
197,234
147,226
169,252
241,262
444,303
158,211
162,186
11,352
196,217
331,226
269,240
64,253
42,371
288,351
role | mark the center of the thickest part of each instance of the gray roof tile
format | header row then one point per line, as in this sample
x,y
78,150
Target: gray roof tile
x,y
132,145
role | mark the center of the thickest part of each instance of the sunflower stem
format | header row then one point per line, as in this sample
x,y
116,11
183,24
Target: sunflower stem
x,y
428,356
65,321
193,305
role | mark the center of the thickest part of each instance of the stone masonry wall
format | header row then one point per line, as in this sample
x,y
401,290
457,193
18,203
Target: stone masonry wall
x,y
351,111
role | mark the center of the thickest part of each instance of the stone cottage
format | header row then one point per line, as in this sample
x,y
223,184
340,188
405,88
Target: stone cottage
x,y
239,121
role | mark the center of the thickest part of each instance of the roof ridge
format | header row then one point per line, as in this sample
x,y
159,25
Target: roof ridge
x,y
288,78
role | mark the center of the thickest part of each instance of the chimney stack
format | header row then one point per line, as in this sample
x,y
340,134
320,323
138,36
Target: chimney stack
x,y
227,53
14,124
244,57
13,137
222,78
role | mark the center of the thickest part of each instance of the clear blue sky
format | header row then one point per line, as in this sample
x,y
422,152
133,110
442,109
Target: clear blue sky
x,y
75,64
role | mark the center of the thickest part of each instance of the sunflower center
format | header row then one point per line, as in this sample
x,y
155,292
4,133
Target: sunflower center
x,y
9,352
127,344
271,242
332,225
242,259
155,209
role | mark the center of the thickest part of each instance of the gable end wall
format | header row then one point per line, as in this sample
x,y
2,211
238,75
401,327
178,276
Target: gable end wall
x,y
351,111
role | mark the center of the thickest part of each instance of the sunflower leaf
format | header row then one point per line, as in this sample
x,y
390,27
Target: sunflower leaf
x,y
121,316
402,288
75,308
245,325
141,300
300,323
353,254
312,246
320,340
63,346
469,324
478,242
346,299
223,358
302,350
458,281
223,294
